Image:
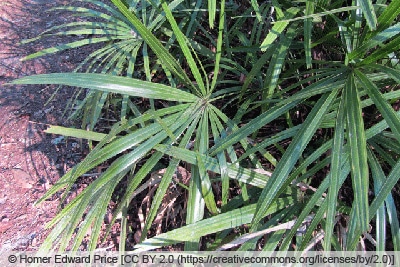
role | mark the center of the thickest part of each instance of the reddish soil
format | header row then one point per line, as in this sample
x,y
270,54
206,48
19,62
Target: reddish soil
x,y
29,161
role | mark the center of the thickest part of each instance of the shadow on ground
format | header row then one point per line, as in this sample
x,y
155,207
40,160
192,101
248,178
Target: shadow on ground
x,y
30,160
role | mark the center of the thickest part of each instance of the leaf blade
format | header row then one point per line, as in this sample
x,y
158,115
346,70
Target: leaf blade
x,y
111,84
358,153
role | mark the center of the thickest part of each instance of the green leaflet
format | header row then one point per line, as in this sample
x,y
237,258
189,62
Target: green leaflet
x,y
112,84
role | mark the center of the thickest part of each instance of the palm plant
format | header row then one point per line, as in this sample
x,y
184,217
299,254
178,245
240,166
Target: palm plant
x,y
120,50
281,77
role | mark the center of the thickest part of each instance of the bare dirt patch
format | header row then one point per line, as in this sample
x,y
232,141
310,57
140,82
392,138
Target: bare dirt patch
x,y
30,160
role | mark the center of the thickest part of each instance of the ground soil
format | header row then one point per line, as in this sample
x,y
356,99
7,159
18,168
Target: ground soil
x,y
30,160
